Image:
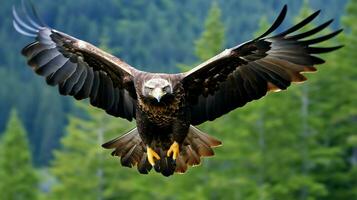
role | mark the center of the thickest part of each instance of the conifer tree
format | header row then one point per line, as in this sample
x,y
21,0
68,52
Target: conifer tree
x,y
18,179
212,39
82,168
335,162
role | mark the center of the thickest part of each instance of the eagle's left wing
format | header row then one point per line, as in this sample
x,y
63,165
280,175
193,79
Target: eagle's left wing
x,y
78,68
248,71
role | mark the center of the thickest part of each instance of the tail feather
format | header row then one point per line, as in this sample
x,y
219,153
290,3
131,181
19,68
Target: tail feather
x,y
202,148
131,149
144,166
181,165
196,145
132,157
121,140
193,158
132,152
211,141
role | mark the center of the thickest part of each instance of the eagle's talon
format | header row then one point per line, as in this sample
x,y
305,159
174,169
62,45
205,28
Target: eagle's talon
x,y
152,155
174,150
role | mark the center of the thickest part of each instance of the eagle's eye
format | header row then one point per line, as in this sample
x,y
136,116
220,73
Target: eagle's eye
x,y
148,90
167,89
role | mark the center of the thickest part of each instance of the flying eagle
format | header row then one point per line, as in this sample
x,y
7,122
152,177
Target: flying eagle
x,y
167,107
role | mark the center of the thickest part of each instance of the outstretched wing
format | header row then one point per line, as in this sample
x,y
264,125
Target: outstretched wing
x,y
77,67
248,71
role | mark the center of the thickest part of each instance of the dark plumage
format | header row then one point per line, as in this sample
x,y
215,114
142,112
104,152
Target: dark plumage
x,y
166,106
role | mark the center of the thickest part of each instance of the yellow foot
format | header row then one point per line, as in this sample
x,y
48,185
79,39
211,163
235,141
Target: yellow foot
x,y
152,155
174,150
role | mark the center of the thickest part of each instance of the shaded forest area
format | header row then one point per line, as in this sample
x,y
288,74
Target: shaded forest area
x,y
299,144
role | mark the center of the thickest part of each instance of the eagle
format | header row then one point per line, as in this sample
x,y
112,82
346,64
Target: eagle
x,y
167,107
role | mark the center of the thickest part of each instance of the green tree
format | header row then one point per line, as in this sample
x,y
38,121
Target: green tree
x,y
83,169
335,162
18,177
212,40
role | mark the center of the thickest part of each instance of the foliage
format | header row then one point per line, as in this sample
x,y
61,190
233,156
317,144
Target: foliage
x,y
81,168
212,39
18,177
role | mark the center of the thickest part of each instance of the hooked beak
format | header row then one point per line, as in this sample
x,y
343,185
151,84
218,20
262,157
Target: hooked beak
x,y
157,93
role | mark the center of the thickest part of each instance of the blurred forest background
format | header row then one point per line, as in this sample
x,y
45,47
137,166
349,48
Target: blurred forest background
x,y
300,144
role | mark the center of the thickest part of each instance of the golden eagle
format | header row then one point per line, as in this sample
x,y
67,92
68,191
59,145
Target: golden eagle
x,y
166,107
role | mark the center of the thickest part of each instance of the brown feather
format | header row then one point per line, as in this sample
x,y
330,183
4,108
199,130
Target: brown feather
x,y
67,61
267,63
197,144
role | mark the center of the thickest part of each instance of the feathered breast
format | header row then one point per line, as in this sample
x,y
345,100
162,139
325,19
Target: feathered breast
x,y
167,111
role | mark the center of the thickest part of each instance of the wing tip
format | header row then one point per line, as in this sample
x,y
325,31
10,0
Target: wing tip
x,y
321,50
27,24
285,8
330,21
34,13
339,31
317,12
299,25
278,21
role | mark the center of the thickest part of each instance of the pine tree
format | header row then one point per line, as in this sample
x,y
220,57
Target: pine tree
x,y
212,39
335,166
18,177
82,168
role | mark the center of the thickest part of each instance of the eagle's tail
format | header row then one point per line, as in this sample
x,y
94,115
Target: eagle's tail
x,y
131,150
196,145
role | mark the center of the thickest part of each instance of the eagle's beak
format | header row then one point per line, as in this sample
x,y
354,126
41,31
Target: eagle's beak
x,y
157,93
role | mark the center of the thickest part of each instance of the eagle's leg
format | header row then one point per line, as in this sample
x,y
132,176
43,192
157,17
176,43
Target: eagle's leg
x,y
174,150
152,155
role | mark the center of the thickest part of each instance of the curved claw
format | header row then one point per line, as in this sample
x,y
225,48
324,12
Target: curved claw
x,y
174,150
152,155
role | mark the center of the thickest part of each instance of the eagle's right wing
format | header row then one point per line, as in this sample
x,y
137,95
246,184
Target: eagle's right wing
x,y
77,67
248,71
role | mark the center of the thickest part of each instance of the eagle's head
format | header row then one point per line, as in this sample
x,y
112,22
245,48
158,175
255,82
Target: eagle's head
x,y
156,89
